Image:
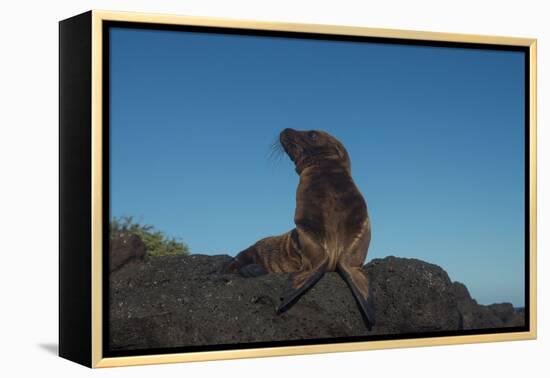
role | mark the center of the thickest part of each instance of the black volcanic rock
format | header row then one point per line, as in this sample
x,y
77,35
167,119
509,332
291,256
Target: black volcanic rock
x,y
183,301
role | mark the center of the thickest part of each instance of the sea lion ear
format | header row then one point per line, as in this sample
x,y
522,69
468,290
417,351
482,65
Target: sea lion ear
x,y
343,155
341,152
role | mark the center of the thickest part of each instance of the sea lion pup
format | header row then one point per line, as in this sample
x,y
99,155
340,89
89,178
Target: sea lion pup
x,y
332,224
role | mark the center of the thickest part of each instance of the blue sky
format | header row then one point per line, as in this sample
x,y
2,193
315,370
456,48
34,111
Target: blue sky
x,y
435,137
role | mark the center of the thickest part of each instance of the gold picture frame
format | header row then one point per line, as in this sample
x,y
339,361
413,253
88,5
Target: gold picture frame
x,y
81,319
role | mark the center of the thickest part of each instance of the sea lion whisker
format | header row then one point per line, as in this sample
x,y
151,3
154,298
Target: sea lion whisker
x,y
276,151
275,156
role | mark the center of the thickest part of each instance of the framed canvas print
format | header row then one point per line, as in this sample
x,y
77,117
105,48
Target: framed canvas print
x,y
234,189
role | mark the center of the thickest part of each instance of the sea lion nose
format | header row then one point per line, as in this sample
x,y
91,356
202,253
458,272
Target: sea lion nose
x,y
287,131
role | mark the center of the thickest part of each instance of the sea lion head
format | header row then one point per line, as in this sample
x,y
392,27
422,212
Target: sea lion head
x,y
310,148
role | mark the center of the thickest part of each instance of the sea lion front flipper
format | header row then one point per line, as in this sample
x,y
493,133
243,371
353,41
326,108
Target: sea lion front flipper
x,y
299,283
358,283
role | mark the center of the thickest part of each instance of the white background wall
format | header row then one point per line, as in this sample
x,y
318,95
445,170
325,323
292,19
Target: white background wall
x,y
28,185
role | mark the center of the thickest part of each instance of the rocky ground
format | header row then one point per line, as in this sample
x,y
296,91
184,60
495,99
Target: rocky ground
x,y
175,301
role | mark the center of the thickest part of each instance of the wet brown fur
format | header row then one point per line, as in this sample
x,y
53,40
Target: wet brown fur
x,y
332,224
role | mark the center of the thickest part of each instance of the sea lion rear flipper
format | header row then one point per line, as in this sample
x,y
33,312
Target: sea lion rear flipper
x,y
237,263
252,270
359,286
299,283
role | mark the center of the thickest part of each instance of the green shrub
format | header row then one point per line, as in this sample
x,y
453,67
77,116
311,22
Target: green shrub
x,y
156,242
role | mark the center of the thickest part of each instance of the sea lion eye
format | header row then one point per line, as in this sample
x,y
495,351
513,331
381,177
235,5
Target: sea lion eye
x,y
312,135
